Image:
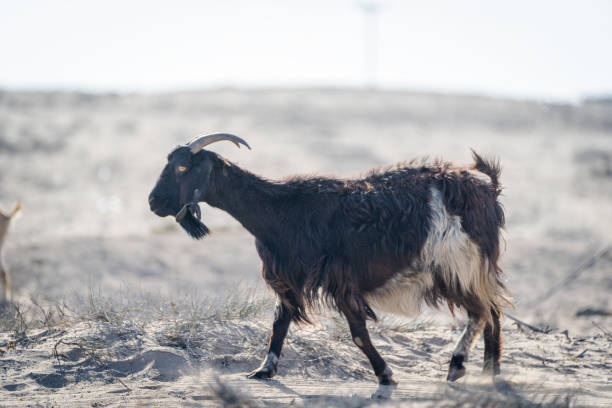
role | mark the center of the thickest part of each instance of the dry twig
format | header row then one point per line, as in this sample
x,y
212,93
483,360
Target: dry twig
x,y
521,323
604,331
573,275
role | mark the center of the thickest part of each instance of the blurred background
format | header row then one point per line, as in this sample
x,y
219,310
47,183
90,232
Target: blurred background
x,y
93,95
545,50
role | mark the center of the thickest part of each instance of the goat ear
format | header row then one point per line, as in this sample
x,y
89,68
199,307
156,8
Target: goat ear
x,y
17,209
7,216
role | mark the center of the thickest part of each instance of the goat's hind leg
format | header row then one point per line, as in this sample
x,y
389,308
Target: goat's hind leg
x,y
471,332
493,345
361,338
282,319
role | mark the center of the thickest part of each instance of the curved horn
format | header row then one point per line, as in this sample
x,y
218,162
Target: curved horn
x,y
199,142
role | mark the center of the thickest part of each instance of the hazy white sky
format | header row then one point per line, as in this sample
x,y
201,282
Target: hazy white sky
x,y
534,48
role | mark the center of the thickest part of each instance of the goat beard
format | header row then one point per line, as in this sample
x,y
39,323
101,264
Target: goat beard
x,y
193,226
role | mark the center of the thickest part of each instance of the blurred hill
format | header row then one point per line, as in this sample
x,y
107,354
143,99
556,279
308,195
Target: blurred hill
x,y
83,164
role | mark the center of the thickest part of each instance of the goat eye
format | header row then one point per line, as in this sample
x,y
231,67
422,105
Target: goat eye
x,y
181,169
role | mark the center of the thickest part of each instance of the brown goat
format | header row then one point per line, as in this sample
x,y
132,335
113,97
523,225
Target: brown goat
x,y
386,242
5,277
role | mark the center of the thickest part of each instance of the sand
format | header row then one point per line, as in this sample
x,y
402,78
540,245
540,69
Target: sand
x,y
107,272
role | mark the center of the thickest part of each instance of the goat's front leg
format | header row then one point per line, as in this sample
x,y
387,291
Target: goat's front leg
x,y
361,338
282,319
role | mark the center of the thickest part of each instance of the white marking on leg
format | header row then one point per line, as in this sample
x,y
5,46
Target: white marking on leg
x,y
270,362
358,341
387,371
469,336
386,376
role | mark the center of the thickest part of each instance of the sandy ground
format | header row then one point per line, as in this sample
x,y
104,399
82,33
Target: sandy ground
x,y
107,272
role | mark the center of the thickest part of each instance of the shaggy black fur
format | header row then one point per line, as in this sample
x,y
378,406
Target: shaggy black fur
x,y
346,237
338,239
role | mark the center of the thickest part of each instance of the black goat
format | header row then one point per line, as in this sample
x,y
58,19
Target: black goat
x,y
386,242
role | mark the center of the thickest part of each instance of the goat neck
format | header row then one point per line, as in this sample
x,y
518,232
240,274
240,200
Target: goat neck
x,y
246,197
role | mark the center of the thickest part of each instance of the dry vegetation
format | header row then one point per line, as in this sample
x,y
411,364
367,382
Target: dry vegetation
x,y
198,350
114,307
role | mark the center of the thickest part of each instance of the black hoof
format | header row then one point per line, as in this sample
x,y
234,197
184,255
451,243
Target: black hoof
x,y
386,379
456,370
455,373
261,374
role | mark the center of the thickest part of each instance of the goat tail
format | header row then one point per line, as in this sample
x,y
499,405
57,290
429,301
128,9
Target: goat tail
x,y
490,167
499,295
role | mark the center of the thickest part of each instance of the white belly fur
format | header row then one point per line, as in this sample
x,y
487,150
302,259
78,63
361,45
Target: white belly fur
x,y
401,295
448,252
